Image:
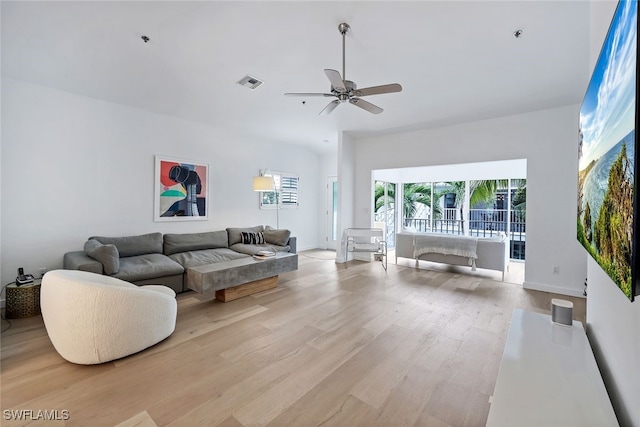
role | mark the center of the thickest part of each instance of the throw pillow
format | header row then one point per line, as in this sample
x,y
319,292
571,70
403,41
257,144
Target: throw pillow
x,y
276,237
107,255
256,238
235,235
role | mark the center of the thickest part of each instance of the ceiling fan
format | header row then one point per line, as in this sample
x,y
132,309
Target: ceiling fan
x,y
346,90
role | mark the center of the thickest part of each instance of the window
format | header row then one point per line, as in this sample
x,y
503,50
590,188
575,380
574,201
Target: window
x,y
286,186
497,206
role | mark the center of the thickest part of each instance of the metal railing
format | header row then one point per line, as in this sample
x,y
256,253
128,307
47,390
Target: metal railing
x,y
448,226
449,223
387,219
487,222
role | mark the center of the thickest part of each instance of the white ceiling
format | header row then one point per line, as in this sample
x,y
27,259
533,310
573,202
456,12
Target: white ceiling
x,y
457,61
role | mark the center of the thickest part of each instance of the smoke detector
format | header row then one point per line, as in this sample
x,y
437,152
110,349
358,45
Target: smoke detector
x,y
251,82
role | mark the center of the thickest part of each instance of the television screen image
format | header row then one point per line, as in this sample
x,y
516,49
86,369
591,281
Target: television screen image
x,y
606,151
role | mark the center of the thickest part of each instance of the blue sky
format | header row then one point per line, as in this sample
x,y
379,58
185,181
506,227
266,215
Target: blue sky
x,y
608,110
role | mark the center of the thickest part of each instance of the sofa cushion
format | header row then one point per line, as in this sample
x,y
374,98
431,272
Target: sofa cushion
x,y
235,234
256,238
174,243
107,255
149,266
207,256
253,249
79,260
276,237
134,245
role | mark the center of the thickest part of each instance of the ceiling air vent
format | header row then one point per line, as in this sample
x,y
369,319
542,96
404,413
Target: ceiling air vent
x,y
251,82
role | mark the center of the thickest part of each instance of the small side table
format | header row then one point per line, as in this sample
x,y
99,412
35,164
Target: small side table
x,y
23,301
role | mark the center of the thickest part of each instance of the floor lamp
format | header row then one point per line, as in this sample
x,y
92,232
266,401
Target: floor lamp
x,y
268,183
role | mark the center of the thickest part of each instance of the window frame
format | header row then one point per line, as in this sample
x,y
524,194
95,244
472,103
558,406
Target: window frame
x,y
292,193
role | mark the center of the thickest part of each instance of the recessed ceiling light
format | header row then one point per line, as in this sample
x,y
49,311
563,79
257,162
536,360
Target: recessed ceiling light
x,y
250,82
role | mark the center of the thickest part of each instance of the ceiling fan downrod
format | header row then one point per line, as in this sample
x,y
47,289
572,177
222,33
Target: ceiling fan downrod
x,y
343,28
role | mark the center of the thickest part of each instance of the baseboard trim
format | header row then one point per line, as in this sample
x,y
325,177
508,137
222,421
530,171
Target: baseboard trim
x,y
552,289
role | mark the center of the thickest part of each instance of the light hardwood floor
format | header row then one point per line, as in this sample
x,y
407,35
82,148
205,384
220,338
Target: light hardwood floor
x,y
331,346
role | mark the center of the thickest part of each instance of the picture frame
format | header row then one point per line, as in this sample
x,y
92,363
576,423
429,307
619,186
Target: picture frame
x,y
181,190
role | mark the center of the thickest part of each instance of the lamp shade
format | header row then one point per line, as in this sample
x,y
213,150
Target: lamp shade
x,y
263,183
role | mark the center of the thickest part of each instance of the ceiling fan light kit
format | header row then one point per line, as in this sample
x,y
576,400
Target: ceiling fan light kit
x,y
346,90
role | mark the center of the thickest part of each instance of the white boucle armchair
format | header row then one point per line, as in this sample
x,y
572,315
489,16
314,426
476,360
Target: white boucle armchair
x,y
92,318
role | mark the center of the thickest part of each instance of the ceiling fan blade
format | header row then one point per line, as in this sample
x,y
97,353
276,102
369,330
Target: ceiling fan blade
x,y
330,107
378,90
309,94
336,80
374,109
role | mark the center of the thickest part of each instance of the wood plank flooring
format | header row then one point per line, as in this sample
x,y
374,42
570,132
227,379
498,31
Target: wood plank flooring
x,y
330,346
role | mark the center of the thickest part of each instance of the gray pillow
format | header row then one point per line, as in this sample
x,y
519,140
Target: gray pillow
x,y
107,255
235,234
134,245
276,237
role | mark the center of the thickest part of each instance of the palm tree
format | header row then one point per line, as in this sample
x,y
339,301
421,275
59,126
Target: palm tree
x,y
378,195
419,193
413,194
480,191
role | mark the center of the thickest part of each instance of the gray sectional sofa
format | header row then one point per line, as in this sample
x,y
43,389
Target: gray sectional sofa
x,y
163,259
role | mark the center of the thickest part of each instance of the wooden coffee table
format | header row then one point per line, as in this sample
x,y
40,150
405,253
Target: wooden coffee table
x,y
240,277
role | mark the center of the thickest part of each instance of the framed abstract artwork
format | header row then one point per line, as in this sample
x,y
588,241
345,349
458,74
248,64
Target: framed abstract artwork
x,y
181,190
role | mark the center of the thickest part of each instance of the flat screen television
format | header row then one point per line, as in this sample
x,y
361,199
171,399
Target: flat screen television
x,y
607,201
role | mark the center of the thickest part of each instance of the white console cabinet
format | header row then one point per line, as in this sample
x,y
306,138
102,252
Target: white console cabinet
x,y
548,377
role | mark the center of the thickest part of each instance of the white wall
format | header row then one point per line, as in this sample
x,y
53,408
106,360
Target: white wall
x,y
346,186
503,169
1,150
613,328
546,139
613,323
74,166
